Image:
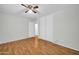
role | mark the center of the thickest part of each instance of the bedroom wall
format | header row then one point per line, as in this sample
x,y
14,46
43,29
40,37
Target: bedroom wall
x,y
12,27
66,27
62,27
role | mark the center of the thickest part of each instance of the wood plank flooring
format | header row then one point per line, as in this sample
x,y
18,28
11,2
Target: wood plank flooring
x,y
26,47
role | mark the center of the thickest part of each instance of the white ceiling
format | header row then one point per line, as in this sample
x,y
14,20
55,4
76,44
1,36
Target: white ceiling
x,y
44,9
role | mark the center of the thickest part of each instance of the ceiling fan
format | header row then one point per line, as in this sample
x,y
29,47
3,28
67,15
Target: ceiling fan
x,y
30,7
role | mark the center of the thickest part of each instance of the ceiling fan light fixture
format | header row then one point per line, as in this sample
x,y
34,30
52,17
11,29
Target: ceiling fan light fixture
x,y
30,8
30,11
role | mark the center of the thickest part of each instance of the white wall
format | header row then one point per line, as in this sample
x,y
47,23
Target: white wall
x,y
66,27
62,27
12,28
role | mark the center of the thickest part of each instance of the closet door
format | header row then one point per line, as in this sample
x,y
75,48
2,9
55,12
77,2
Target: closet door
x,y
46,28
31,29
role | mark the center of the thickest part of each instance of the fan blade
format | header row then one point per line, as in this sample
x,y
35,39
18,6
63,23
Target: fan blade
x,y
23,5
34,11
26,11
35,7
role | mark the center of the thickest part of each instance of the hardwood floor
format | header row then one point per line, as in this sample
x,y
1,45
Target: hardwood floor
x,y
29,47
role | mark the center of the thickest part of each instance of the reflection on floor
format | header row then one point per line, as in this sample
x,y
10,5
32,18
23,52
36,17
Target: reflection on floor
x,y
27,47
